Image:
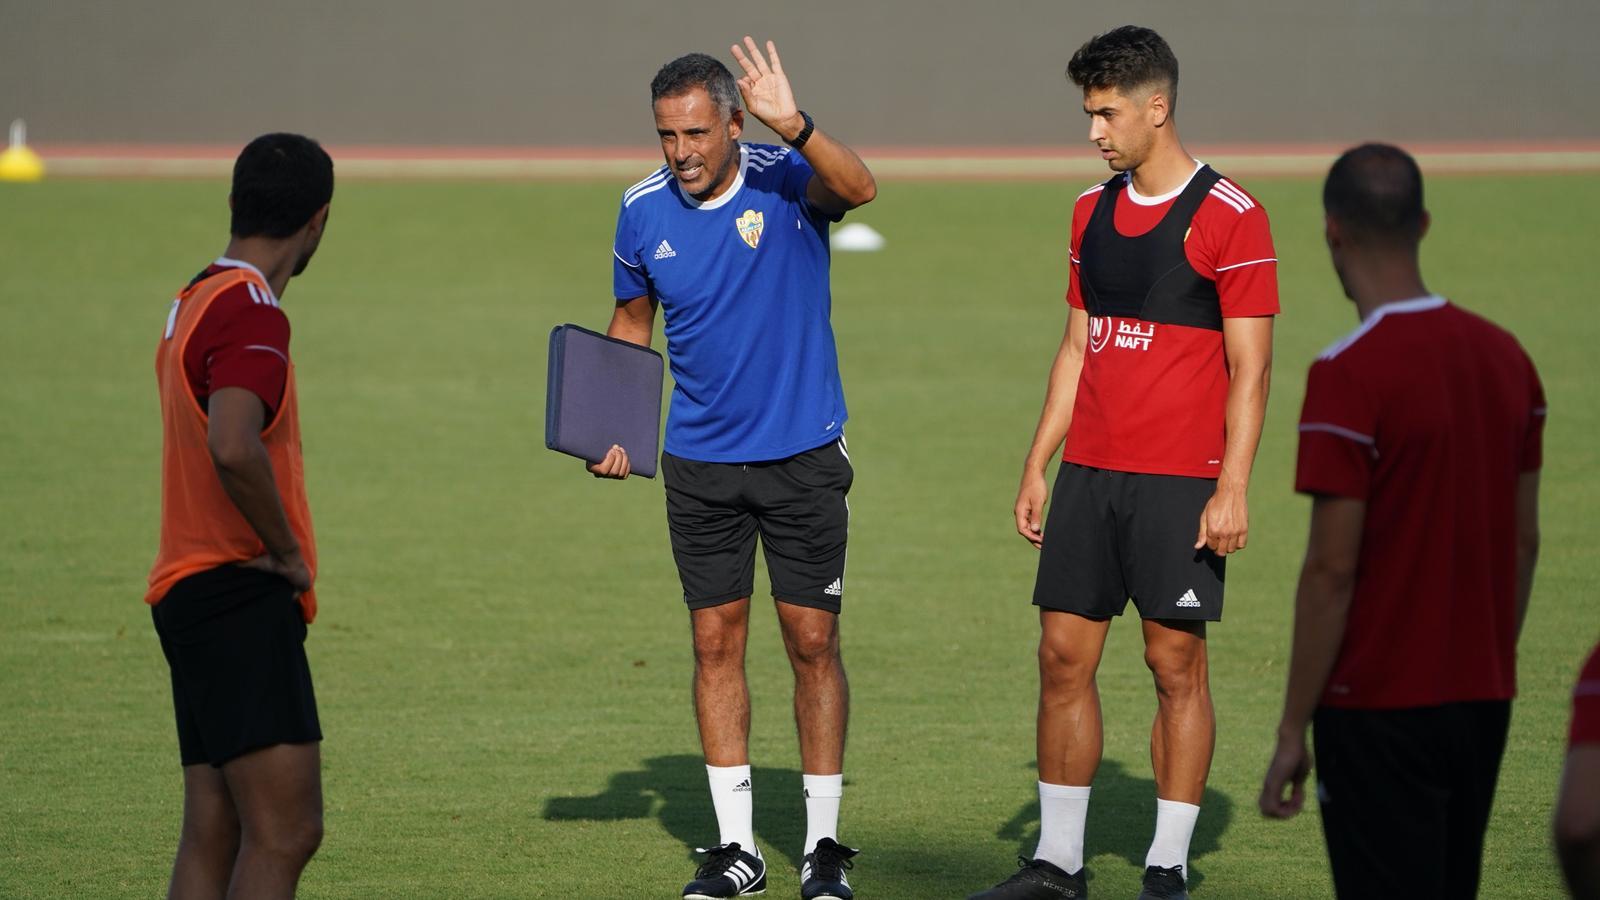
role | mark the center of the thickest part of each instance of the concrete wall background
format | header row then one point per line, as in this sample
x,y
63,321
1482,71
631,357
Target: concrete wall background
x,y
892,72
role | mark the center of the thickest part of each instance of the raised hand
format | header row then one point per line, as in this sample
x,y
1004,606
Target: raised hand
x,y
765,89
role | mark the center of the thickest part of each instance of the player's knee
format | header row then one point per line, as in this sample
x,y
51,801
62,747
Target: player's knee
x,y
294,841
1063,669
813,646
214,836
1177,674
716,647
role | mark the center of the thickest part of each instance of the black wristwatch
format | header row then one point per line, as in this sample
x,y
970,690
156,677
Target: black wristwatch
x,y
805,133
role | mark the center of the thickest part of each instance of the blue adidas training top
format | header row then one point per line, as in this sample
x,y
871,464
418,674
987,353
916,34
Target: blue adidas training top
x,y
743,283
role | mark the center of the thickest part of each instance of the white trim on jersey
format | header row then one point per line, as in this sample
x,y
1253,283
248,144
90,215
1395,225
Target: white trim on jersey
x,y
1339,430
767,156
273,350
623,261
259,296
1094,190
241,264
1138,198
1418,304
1271,259
648,189
1231,191
1237,206
654,179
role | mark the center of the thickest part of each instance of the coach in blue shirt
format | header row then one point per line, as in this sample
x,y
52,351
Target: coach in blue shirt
x,y
730,240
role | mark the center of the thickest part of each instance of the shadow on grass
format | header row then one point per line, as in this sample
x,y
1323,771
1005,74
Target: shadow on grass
x,y
672,789
1122,817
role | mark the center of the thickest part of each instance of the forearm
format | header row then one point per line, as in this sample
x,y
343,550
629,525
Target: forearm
x,y
835,165
840,169
246,476
1054,420
1248,387
631,328
1527,540
1527,559
1321,611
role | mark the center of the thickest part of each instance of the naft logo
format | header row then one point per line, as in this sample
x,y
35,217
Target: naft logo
x,y
1099,333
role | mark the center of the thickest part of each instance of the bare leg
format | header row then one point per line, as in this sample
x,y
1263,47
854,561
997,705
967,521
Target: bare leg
x,y
1069,733
209,840
278,792
1185,728
721,695
821,692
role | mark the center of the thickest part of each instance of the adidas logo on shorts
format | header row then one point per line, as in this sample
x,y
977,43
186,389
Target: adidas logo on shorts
x,y
1189,599
837,588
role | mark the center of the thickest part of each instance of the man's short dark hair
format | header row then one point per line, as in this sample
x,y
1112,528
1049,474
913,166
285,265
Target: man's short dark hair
x,y
1126,59
686,73
1375,191
279,183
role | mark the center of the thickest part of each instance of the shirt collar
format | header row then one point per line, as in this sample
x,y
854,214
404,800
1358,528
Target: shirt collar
x,y
229,263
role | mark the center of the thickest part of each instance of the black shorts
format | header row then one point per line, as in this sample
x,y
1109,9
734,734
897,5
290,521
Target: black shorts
x,y
1111,536
1405,795
234,639
797,505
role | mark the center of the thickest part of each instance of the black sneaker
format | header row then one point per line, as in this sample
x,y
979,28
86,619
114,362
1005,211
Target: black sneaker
x,y
727,872
1164,884
1037,880
822,873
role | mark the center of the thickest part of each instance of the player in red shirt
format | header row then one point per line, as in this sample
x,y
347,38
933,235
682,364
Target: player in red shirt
x,y
1577,820
1158,390
1420,444
231,590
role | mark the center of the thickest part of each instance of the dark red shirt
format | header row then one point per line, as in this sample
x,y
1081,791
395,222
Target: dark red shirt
x,y
1153,397
1586,703
1429,414
242,341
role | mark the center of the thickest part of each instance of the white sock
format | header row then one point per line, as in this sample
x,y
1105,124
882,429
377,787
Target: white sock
x,y
1063,809
731,796
1174,827
822,808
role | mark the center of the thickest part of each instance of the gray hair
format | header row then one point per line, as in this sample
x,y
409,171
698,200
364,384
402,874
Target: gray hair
x,y
686,73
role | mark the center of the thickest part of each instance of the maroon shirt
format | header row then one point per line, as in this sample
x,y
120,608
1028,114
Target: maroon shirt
x,y
1429,414
242,341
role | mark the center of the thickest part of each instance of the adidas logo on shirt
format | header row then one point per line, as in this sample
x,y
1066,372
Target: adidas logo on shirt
x,y
743,786
1189,599
836,589
665,251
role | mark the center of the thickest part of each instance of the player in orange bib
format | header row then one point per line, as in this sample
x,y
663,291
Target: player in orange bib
x,y
231,589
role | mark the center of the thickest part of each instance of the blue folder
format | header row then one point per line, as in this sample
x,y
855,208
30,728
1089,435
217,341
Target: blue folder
x,y
602,391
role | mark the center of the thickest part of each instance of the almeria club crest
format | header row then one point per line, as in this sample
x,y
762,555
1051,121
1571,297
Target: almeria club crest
x,y
749,226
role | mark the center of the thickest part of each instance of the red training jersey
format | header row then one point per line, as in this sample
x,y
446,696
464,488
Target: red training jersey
x,y
241,341
1429,414
1152,397
1586,703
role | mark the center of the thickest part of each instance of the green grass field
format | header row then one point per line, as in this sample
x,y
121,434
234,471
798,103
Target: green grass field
x,y
502,656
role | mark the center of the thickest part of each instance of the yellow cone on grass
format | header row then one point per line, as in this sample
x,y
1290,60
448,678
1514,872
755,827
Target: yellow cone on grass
x,y
17,162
